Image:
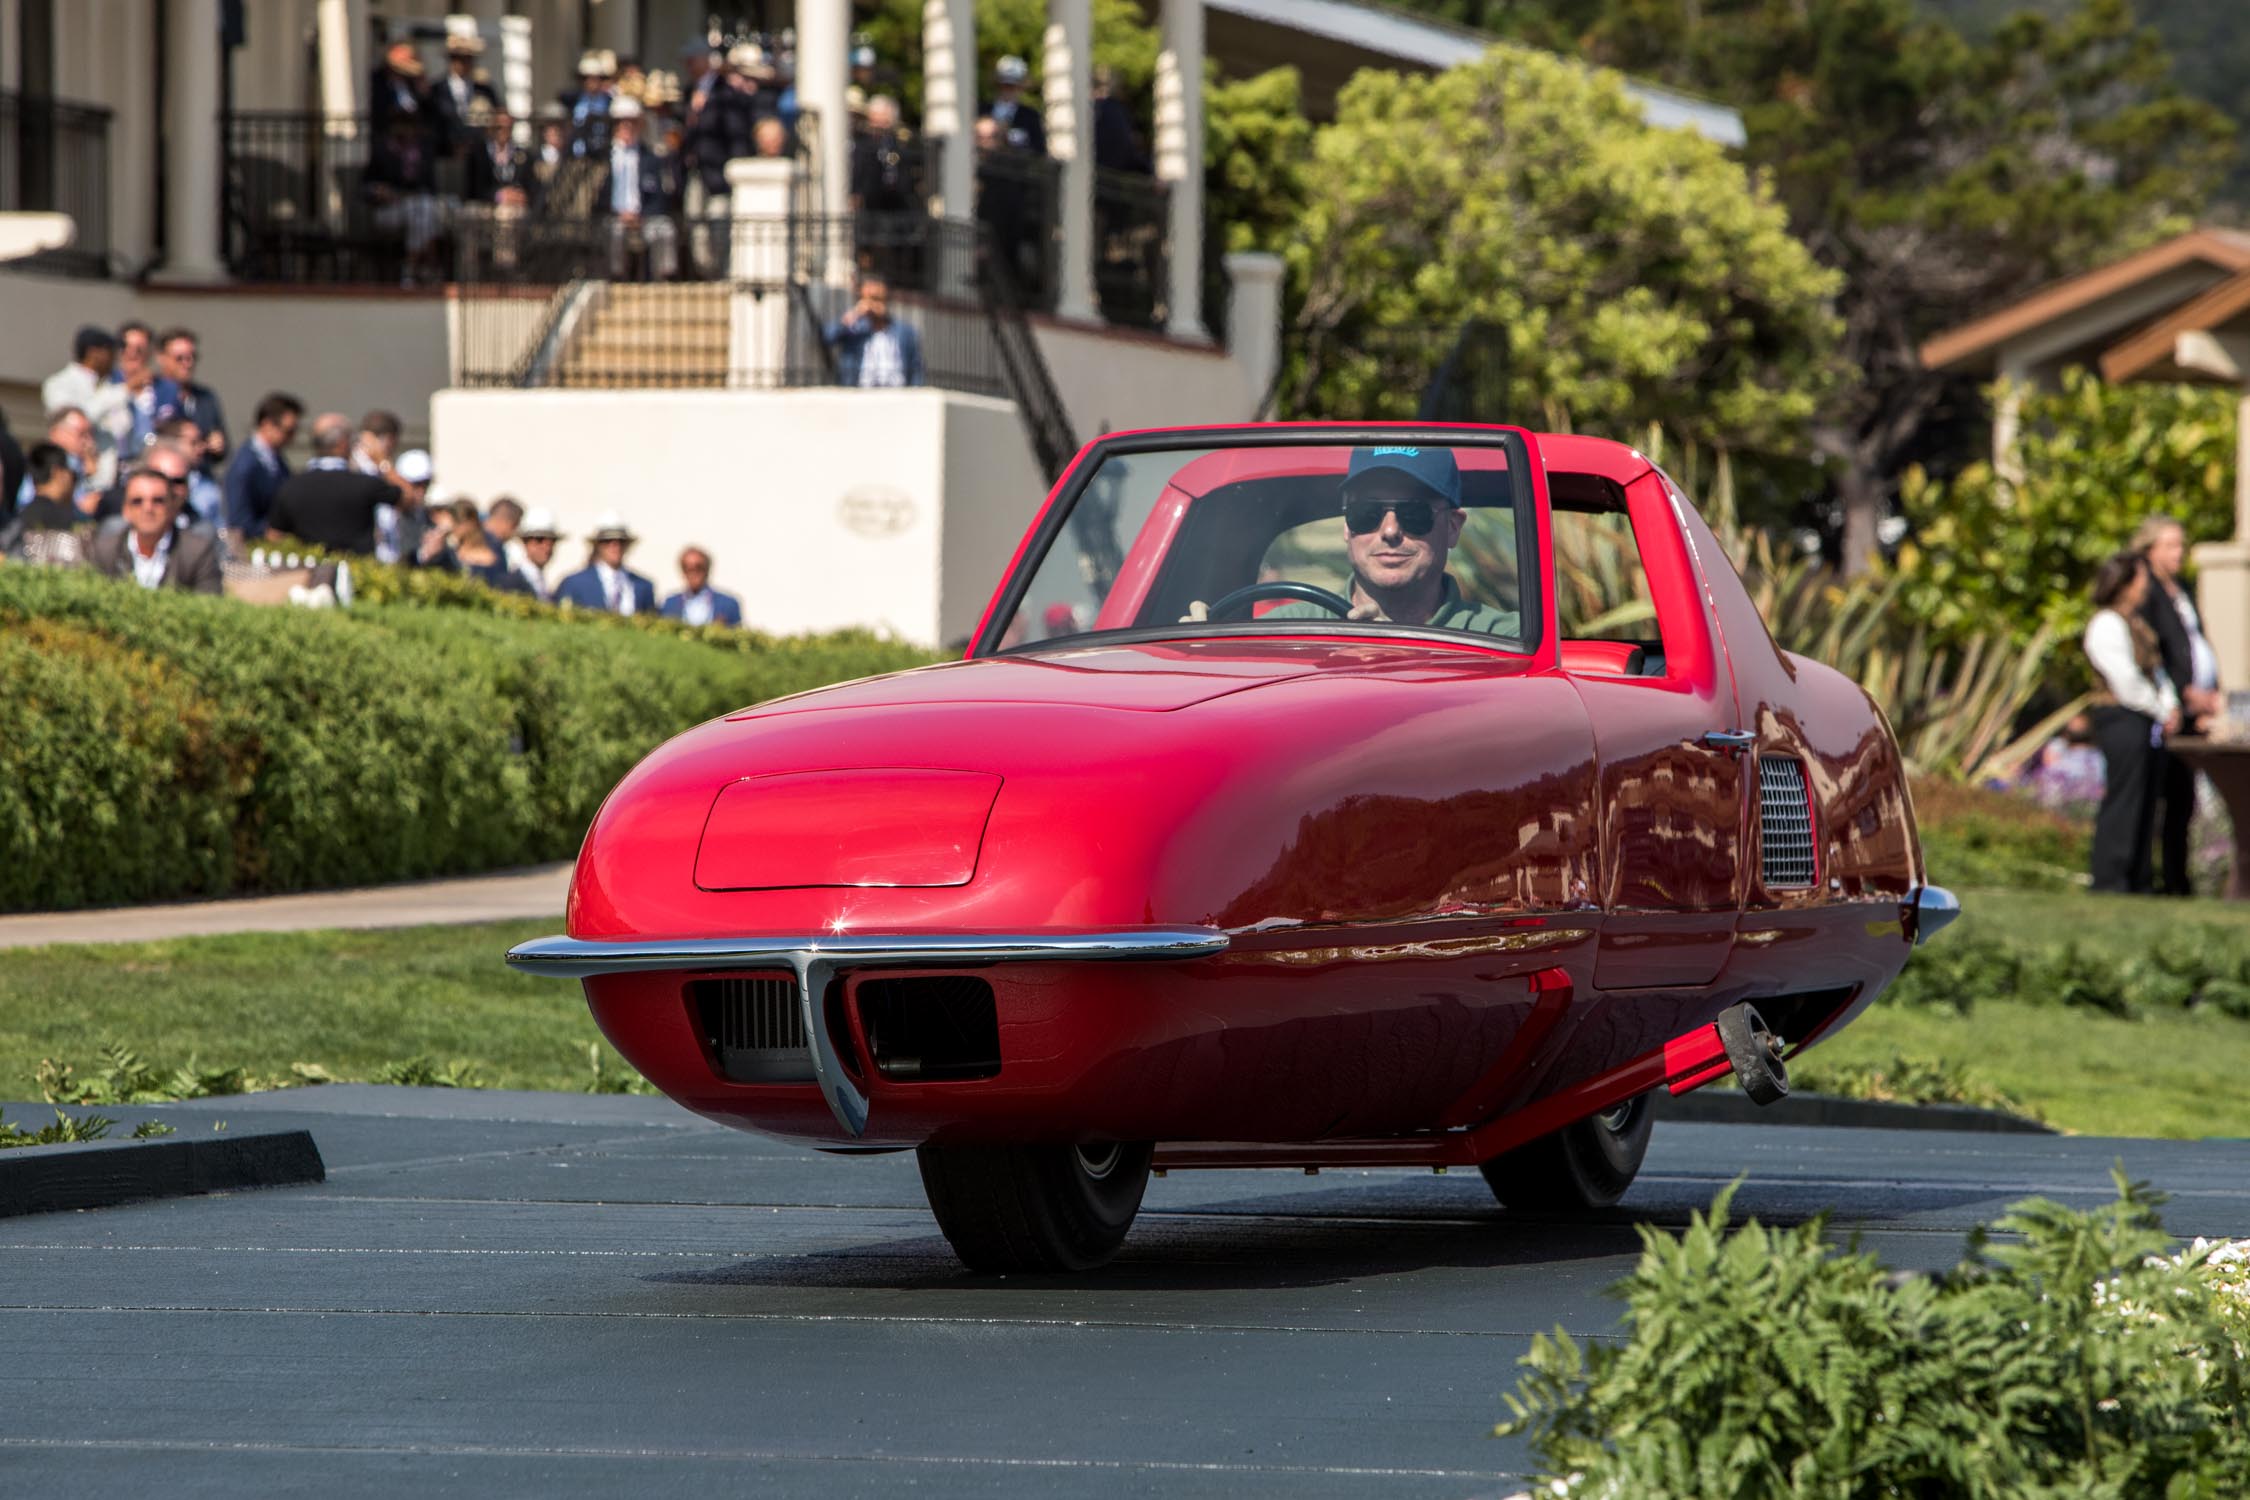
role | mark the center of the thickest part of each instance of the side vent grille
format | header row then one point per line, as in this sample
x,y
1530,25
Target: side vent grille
x,y
1784,822
931,1028
754,1028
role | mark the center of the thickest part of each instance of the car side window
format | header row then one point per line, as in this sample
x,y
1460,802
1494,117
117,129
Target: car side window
x,y
1602,593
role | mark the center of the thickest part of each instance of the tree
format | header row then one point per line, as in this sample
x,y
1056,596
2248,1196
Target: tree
x,y
2096,461
1942,176
1636,274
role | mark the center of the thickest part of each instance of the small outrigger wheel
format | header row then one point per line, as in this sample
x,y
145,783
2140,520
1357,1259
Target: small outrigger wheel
x,y
1755,1054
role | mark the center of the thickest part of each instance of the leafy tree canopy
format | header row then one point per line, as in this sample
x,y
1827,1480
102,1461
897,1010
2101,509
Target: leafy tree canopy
x,y
1638,274
2096,460
1942,175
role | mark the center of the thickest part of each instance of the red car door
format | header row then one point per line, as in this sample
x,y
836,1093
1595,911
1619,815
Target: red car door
x,y
1667,741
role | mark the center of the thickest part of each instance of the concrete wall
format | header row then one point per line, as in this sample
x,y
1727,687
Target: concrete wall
x,y
343,350
821,509
1114,381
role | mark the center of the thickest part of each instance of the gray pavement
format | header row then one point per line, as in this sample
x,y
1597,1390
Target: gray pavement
x,y
536,892
499,1294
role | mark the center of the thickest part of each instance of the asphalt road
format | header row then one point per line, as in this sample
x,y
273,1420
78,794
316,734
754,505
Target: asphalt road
x,y
499,1294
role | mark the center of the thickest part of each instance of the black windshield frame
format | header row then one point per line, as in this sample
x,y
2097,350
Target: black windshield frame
x,y
1530,585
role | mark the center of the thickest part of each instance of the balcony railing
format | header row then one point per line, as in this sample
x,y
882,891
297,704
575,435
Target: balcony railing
x,y
569,306
1132,237
299,208
54,158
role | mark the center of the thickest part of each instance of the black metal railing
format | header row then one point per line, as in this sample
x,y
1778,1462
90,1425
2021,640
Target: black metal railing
x,y
54,158
300,207
1132,241
572,306
1019,198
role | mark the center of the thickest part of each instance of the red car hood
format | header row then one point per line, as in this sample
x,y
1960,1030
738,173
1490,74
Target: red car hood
x,y
1148,677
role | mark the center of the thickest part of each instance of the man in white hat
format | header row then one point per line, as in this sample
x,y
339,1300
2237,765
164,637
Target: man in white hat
x,y
1022,128
590,106
605,583
636,194
532,548
460,90
403,529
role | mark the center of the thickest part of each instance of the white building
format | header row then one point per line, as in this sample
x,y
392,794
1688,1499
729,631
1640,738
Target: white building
x,y
211,180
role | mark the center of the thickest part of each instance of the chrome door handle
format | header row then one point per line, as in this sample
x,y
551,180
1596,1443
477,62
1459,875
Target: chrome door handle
x,y
1729,740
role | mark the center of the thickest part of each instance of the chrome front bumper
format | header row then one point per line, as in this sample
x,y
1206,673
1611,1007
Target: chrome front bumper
x,y
1927,912
815,961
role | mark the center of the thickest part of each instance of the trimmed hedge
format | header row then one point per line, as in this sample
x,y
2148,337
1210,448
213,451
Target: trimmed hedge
x,y
159,745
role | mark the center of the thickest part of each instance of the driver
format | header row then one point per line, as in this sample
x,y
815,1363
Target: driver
x,y
1402,515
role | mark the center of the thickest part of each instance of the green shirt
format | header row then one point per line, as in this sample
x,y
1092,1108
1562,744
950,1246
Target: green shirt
x,y
1453,613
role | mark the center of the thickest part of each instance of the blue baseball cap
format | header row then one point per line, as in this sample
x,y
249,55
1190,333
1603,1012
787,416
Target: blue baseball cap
x,y
1431,468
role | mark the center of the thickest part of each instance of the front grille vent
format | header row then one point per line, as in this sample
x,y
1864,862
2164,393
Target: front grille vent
x,y
754,1028
931,1028
1784,822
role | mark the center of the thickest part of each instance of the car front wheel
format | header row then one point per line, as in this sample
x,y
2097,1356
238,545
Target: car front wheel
x,y
1035,1208
1587,1164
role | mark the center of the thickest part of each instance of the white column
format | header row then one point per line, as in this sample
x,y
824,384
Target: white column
x,y
824,29
758,264
1179,158
1070,140
342,30
11,66
616,27
1254,323
949,101
191,128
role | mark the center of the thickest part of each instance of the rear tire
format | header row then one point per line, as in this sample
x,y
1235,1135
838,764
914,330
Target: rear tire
x,y
1587,1164
1035,1208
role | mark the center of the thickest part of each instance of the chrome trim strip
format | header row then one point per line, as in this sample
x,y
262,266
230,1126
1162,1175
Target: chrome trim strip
x,y
576,958
1929,910
816,961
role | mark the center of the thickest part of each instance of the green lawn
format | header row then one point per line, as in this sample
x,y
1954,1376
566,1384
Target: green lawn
x,y
350,1001
354,1002
2119,925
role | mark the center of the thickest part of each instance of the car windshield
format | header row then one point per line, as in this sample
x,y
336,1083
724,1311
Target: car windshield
x,y
1282,532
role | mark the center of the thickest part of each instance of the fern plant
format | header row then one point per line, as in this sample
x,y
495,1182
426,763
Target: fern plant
x,y
2065,1354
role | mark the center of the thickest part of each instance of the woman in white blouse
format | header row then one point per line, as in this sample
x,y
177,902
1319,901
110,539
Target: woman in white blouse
x,y
2130,728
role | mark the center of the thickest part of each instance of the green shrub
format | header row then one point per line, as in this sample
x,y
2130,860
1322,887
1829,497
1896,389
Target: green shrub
x,y
1768,1363
1972,836
163,745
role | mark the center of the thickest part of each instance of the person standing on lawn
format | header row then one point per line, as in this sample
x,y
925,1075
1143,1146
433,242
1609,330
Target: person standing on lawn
x,y
2131,727
2189,662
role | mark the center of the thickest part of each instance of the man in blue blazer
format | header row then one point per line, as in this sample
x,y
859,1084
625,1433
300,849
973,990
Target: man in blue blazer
x,y
871,348
605,583
699,603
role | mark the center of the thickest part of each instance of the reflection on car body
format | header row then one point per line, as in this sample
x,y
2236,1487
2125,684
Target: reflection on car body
x,y
1309,795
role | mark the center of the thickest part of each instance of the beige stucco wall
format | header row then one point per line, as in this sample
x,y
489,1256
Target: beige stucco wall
x,y
821,509
346,351
1114,381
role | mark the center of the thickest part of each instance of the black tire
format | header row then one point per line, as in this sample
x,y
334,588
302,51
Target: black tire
x,y
1035,1208
1588,1164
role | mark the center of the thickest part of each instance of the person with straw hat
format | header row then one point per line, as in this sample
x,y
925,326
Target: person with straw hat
x,y
605,583
456,95
590,104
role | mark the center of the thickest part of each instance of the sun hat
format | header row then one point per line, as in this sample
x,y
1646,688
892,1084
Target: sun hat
x,y
538,524
609,526
414,466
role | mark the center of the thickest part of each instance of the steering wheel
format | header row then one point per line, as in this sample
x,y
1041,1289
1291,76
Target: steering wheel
x,y
1281,589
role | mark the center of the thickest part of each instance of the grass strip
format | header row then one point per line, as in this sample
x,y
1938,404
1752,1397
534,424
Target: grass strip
x,y
361,1003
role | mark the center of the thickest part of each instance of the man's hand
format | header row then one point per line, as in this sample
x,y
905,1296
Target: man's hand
x,y
433,545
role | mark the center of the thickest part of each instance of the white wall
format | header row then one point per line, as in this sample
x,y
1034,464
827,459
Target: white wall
x,y
346,351
1115,381
821,509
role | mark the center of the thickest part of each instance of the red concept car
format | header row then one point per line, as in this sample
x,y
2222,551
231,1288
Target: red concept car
x,y
1309,796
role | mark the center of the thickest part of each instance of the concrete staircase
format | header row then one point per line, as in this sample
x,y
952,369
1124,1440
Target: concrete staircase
x,y
670,334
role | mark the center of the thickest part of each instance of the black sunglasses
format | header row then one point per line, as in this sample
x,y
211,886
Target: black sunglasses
x,y
1415,517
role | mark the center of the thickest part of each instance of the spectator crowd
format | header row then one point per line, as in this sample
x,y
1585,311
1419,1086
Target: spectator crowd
x,y
643,153
135,476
